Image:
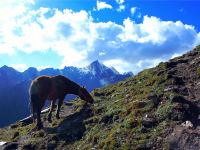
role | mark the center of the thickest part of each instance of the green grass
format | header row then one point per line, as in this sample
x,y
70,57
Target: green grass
x,y
198,71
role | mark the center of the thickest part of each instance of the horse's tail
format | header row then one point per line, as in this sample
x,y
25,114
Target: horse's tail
x,y
33,99
33,104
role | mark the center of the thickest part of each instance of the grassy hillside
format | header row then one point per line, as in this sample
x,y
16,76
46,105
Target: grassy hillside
x,y
157,109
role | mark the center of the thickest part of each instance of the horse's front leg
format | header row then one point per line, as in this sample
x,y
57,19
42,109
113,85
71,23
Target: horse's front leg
x,y
60,101
51,110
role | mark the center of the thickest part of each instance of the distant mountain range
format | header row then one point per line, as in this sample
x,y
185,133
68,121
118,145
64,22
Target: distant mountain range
x,y
14,85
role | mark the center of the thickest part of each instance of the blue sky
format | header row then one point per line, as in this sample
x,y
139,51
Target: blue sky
x,y
130,35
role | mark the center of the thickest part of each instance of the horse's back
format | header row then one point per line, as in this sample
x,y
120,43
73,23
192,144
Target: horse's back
x,y
59,82
60,77
51,87
40,84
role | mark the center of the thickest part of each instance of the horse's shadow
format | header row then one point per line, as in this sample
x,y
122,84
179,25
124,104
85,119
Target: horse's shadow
x,y
72,128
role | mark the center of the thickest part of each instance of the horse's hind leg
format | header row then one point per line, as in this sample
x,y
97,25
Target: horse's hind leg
x,y
39,108
51,110
39,122
33,100
60,101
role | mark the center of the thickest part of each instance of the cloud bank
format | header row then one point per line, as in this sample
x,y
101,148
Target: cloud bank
x,y
79,40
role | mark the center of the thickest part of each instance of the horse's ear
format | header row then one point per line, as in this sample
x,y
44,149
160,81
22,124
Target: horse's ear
x,y
83,87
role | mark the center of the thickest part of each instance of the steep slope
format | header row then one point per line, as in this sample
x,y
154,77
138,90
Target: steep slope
x,y
157,109
14,86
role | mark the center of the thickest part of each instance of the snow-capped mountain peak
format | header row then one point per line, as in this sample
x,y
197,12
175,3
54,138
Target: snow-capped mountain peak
x,y
97,68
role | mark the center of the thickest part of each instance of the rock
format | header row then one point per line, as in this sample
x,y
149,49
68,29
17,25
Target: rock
x,y
179,113
12,126
149,122
160,73
140,104
107,119
51,146
178,80
179,99
183,60
170,73
184,91
98,93
29,147
16,134
152,96
127,96
171,64
193,53
143,129
187,124
171,89
11,146
155,98
125,90
115,117
184,138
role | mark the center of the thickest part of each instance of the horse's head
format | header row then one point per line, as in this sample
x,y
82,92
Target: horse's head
x,y
85,95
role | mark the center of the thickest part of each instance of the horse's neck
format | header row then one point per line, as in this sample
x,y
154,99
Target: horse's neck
x,y
74,88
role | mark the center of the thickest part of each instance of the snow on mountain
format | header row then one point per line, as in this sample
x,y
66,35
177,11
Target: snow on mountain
x,y
100,70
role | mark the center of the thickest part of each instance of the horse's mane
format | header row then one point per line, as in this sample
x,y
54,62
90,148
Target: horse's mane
x,y
67,81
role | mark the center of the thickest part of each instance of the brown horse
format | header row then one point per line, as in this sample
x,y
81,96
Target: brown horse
x,y
53,88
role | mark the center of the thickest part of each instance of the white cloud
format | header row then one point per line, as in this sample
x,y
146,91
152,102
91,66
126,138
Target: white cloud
x,y
197,42
11,11
120,1
119,64
148,63
23,67
139,15
140,45
133,10
121,7
123,66
20,67
101,53
39,68
175,55
103,5
79,40
155,31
